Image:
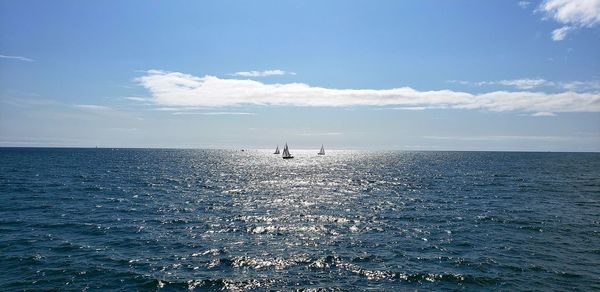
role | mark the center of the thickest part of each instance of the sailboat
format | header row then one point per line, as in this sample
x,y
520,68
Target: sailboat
x,y
322,152
277,150
286,152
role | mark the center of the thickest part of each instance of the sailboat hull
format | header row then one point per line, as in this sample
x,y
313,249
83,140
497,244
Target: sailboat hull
x,y
288,157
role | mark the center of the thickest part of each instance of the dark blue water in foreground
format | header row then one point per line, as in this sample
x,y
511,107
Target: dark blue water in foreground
x,y
209,220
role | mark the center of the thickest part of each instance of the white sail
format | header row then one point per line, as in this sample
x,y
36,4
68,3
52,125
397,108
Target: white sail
x,y
322,152
286,152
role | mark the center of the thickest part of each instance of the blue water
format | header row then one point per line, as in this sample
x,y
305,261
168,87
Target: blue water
x,y
141,219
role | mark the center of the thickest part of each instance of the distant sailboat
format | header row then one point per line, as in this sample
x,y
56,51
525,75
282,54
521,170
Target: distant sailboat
x,y
322,152
286,152
277,150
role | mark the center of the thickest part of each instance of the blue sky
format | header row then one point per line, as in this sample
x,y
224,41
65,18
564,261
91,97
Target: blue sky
x,y
407,75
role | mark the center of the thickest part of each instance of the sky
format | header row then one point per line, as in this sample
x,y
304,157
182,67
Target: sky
x,y
493,75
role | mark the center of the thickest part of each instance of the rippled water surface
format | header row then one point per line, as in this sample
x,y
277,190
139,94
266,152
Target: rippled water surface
x,y
139,219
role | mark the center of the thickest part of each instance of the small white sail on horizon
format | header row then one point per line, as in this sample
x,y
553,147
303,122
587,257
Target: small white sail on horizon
x,y
277,150
286,152
322,152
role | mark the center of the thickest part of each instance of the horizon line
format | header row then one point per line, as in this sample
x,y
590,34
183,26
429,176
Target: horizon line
x,y
295,149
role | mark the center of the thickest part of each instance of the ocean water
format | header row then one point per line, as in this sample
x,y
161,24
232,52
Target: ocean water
x,y
152,219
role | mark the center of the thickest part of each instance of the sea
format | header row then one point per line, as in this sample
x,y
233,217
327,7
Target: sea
x,y
210,220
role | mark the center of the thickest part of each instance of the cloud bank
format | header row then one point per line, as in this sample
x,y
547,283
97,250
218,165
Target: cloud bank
x,y
573,14
262,73
174,89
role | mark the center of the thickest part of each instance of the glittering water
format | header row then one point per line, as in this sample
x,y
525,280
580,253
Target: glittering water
x,y
210,219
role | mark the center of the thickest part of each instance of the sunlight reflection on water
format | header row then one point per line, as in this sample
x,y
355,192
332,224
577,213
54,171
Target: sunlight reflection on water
x,y
219,219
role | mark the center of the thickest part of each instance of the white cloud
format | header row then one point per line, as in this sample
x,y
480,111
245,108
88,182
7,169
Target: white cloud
x,y
528,83
543,114
559,34
92,107
215,113
524,83
409,108
19,58
523,4
573,14
174,89
262,73
136,98
580,85
461,82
